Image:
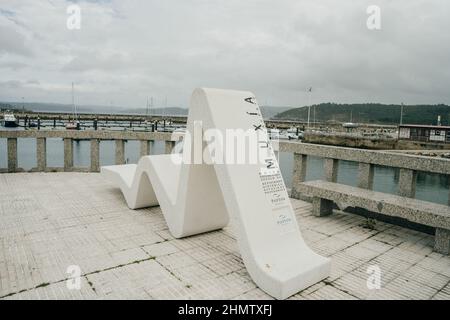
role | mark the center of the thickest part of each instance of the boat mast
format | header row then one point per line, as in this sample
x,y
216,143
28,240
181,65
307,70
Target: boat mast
x,y
165,106
73,105
151,105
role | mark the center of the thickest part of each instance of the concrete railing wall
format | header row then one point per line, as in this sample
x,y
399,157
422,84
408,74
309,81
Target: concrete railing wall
x,y
408,164
68,137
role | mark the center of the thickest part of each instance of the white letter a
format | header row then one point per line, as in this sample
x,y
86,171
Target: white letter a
x,y
374,20
74,20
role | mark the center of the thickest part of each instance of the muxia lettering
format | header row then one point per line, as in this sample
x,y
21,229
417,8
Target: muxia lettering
x,y
270,164
250,100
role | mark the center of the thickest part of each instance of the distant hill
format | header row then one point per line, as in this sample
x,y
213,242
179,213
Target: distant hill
x,y
270,111
59,107
370,113
363,113
267,111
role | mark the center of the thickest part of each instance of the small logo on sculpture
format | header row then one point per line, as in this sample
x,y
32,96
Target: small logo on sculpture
x,y
283,220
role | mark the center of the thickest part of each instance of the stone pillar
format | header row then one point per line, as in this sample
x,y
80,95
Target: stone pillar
x,y
120,151
330,167
41,154
322,207
169,146
448,177
68,154
365,175
407,183
145,148
299,173
442,241
12,154
95,155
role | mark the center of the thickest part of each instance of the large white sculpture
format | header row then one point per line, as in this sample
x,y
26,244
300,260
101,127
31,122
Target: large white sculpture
x,y
199,197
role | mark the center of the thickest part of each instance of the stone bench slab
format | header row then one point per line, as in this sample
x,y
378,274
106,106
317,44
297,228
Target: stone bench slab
x,y
422,212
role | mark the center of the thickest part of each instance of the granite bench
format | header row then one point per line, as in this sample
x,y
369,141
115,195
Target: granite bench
x,y
434,215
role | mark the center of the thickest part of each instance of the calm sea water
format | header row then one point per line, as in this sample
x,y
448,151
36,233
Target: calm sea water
x,y
429,187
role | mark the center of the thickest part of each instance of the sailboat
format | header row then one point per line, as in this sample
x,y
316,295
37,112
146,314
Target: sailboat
x,y
73,124
10,120
351,124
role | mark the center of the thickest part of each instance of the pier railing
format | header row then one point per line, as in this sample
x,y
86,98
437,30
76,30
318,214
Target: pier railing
x,y
407,164
68,137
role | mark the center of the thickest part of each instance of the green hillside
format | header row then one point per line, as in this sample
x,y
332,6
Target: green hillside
x,y
370,113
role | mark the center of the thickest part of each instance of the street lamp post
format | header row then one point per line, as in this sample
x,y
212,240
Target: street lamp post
x,y
401,114
309,103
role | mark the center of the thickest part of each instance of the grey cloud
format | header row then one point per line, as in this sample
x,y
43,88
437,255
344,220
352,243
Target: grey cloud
x,y
13,65
11,84
13,42
126,51
96,61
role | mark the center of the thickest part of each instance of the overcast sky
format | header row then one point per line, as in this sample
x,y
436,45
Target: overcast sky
x,y
127,51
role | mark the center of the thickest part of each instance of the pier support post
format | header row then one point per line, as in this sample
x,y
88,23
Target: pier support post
x,y
365,175
120,152
95,155
442,241
169,146
330,167
145,148
41,153
68,154
322,207
299,173
407,183
12,154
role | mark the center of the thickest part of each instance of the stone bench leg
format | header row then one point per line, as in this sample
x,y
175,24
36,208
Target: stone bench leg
x,y
442,241
322,207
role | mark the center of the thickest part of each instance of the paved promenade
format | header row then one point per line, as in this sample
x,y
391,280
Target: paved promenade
x,y
50,221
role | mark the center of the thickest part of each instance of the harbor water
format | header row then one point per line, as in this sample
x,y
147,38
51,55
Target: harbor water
x,y
429,187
